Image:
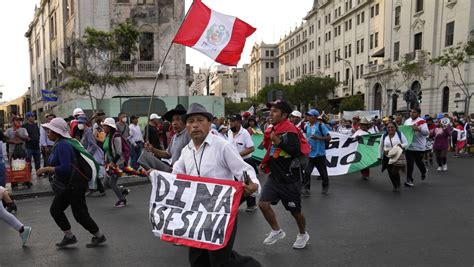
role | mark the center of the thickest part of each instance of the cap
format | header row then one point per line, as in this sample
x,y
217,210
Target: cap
x,y
82,119
296,113
281,105
235,117
313,112
246,114
154,116
78,111
29,114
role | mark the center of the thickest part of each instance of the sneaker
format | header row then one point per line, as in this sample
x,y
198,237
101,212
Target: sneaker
x,y
96,241
25,235
125,191
409,184
67,241
251,209
439,168
120,203
12,208
325,190
305,192
301,241
445,167
273,237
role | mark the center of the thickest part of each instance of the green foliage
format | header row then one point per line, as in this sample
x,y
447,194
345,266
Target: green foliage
x,y
235,108
99,53
351,103
314,90
262,96
415,69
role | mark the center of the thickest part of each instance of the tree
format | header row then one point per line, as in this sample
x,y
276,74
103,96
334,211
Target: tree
x,y
454,59
99,54
352,103
262,96
314,90
235,108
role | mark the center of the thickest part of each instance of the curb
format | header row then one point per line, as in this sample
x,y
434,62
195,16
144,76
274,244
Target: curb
x,y
49,193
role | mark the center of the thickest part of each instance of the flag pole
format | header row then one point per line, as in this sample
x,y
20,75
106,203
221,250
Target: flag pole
x,y
160,68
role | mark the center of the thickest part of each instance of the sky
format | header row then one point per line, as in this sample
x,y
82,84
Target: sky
x,y
272,18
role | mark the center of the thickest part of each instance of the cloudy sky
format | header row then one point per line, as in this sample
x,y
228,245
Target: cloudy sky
x,y
272,18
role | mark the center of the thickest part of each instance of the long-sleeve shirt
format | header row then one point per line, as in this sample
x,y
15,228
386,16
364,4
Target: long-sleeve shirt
x,y
215,158
135,134
44,140
62,158
419,137
441,137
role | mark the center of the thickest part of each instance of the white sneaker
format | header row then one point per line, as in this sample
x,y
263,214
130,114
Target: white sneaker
x,y
445,167
439,168
273,237
301,240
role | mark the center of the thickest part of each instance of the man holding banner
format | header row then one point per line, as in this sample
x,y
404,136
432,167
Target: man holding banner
x,y
210,156
414,152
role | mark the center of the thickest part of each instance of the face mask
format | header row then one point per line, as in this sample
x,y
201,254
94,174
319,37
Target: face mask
x,y
124,120
80,126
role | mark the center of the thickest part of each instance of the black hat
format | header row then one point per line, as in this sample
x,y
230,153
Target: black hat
x,y
281,105
196,108
178,110
235,117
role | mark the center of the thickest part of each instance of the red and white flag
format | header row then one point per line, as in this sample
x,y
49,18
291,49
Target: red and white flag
x,y
220,37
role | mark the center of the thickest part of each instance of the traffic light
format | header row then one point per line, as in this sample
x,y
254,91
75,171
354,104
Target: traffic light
x,y
406,96
420,96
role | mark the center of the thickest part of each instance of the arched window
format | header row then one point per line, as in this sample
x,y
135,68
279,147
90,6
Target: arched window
x,y
445,104
394,103
377,96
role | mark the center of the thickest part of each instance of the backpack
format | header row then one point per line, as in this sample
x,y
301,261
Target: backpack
x,y
125,146
84,164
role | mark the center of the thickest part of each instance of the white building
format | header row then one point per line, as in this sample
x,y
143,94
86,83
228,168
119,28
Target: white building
x,y
263,67
232,84
57,22
412,27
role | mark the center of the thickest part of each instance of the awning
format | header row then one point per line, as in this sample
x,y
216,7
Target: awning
x,y
380,53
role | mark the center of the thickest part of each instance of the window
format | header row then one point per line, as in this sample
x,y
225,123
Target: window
x,y
449,34
267,65
272,80
319,24
350,50
362,45
372,12
376,40
398,11
272,53
52,25
146,46
350,24
319,61
358,47
358,19
267,53
419,5
418,41
396,51
345,51
357,72
445,106
123,1
377,7
361,70
147,2
267,80
346,82
38,49
371,41
362,17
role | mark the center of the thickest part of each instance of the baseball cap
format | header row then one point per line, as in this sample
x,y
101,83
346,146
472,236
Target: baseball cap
x,y
29,114
296,113
78,111
235,117
154,116
313,112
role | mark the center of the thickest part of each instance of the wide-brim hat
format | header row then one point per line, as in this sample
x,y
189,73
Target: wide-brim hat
x,y
394,154
110,122
178,110
364,121
197,109
59,126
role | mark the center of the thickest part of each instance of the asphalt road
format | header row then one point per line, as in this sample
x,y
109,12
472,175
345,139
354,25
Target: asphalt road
x,y
358,224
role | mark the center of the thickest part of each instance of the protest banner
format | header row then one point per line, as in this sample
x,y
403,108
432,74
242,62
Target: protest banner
x,y
193,211
346,154
368,114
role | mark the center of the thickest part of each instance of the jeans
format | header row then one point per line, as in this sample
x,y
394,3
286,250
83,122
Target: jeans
x,y
77,200
36,154
320,164
414,157
135,152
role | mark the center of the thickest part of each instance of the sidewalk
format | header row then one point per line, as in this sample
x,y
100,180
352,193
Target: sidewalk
x,y
41,186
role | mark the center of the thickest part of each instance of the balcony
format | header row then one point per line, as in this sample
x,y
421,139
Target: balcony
x,y
138,68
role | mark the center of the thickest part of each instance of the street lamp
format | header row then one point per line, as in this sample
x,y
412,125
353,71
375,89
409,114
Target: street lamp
x,y
352,72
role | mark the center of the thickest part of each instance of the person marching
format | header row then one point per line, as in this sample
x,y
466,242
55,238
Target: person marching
x,y
391,148
363,130
72,193
284,181
208,155
414,153
440,136
242,140
10,219
317,134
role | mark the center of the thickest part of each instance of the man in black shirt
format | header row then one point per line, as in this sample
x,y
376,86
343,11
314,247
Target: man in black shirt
x,y
283,184
33,145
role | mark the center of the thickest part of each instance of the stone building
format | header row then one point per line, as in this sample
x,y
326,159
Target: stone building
x,y
263,67
232,84
57,22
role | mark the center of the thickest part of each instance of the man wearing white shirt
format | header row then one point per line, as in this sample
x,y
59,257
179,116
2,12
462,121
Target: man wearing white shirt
x,y
242,140
136,141
210,156
414,152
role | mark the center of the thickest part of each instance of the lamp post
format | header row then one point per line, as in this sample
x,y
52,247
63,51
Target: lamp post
x,y
352,72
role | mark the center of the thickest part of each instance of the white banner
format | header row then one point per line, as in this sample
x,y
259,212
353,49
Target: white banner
x,y
368,114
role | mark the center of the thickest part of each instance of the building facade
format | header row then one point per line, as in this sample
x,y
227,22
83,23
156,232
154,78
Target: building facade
x,y
232,84
263,67
57,22
417,30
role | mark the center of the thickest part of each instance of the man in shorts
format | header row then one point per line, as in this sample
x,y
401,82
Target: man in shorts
x,y
284,181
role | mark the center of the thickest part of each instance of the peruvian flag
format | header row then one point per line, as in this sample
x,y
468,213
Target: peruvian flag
x,y
220,37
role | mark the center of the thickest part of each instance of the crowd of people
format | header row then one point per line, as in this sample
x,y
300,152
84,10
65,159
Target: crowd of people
x,y
194,142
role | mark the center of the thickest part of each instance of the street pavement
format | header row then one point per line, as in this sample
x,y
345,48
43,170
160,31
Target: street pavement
x,y
360,223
